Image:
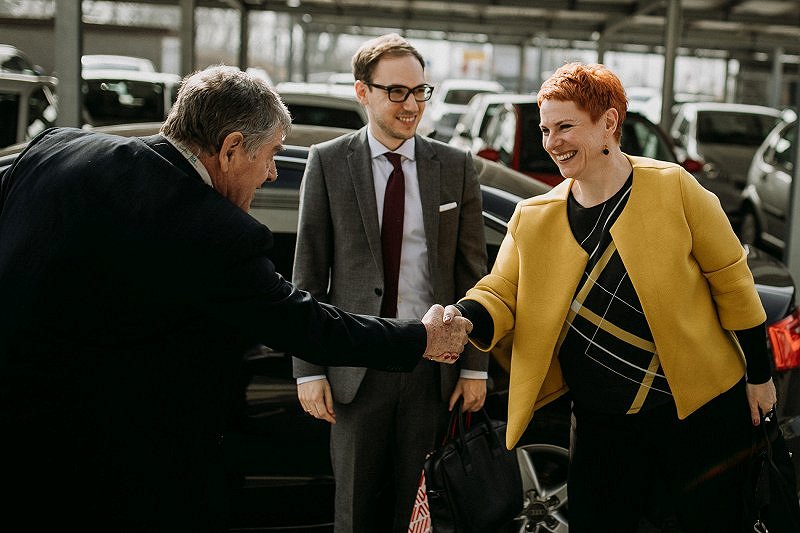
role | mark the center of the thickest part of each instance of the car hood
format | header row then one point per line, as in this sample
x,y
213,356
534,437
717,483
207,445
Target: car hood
x,y
774,283
731,160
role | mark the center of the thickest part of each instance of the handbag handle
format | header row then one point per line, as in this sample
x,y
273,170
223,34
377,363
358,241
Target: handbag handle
x,y
457,423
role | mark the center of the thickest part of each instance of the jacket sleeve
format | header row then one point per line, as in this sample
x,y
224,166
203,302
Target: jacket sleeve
x,y
722,259
257,304
470,264
497,291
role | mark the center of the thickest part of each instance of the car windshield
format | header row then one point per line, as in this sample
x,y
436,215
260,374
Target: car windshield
x,y
639,137
747,129
119,101
462,96
318,115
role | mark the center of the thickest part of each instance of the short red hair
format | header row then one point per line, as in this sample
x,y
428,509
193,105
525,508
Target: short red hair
x,y
593,88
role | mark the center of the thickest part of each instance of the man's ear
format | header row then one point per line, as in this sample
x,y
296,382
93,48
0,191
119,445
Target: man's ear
x,y
232,146
361,91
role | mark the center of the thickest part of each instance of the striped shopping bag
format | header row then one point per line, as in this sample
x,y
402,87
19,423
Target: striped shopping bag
x,y
421,514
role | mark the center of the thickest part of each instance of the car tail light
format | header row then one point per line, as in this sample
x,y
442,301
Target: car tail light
x,y
692,166
784,335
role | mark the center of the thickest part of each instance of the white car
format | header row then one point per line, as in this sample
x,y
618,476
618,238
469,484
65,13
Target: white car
x,y
449,101
470,131
717,142
116,62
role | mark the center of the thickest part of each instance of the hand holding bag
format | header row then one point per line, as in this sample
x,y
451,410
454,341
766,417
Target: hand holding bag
x,y
473,481
772,490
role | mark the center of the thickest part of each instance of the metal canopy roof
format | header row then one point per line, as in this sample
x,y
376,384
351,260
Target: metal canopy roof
x,y
740,27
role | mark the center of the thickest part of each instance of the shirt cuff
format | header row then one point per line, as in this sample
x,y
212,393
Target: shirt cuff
x,y
306,379
474,374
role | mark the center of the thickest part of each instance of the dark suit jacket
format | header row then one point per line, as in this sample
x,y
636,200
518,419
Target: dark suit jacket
x,y
129,291
338,258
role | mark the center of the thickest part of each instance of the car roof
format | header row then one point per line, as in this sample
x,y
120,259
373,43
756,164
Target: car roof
x,y
132,75
468,83
729,107
116,62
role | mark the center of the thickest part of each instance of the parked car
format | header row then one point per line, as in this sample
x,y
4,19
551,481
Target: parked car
x,y
448,102
12,59
323,104
470,131
281,475
125,96
514,139
27,106
766,197
116,62
716,142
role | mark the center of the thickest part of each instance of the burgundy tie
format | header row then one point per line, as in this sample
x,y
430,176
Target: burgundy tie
x,y
392,234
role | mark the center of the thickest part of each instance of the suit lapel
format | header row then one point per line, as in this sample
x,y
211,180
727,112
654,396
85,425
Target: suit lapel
x,y
359,163
429,178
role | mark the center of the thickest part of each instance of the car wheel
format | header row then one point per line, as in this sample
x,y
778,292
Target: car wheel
x,y
748,228
544,489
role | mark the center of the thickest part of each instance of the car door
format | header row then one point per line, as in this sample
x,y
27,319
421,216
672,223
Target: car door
x,y
774,184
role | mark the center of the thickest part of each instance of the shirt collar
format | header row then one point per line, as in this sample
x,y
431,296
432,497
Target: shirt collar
x,y
193,160
378,149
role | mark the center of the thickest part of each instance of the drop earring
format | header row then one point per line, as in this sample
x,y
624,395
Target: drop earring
x,y
605,150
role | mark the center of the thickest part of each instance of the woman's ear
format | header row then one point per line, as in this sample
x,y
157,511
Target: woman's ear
x,y
612,119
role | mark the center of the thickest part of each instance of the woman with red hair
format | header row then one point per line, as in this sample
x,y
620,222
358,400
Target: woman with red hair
x,y
626,286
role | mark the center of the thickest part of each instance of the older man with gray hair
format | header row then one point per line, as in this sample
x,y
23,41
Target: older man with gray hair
x,y
132,280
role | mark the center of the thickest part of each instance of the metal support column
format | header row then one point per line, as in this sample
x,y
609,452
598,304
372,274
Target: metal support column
x,y
777,77
187,36
304,57
244,37
792,253
290,53
672,33
68,51
601,50
521,77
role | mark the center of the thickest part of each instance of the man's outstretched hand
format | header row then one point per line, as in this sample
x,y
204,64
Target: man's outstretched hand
x,y
447,333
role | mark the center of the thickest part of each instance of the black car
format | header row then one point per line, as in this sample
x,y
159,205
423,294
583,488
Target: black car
x,y
281,477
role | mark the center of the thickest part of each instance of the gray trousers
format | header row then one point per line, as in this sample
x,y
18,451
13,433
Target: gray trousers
x,y
379,444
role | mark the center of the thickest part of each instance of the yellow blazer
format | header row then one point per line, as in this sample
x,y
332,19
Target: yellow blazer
x,y
687,266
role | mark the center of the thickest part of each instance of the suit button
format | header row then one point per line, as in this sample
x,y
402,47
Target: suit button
x,y
378,291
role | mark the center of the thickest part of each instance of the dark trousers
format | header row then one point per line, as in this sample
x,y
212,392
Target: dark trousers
x,y
379,444
694,469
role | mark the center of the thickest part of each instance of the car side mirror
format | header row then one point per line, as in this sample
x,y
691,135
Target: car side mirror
x,y
462,131
489,153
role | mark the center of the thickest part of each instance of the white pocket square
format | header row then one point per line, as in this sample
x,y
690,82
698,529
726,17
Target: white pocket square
x,y
447,207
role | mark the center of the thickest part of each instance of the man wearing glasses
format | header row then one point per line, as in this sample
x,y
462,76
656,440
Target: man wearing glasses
x,y
390,222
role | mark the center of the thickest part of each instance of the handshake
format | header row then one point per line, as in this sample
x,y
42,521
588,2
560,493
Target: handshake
x,y
447,333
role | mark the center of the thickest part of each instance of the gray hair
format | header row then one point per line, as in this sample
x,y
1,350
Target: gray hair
x,y
220,100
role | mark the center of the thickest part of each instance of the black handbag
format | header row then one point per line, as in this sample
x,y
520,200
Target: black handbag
x,y
771,500
473,481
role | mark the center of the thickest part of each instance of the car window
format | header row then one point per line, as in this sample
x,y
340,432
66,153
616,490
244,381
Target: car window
x,y
41,112
683,131
501,134
491,112
532,155
784,148
109,101
747,129
9,115
461,96
325,116
640,138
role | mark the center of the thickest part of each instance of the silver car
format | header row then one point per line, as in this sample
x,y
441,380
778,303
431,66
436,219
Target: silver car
x,y
766,196
716,142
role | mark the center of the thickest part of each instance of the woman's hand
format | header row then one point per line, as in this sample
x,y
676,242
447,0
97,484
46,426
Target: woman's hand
x,y
761,397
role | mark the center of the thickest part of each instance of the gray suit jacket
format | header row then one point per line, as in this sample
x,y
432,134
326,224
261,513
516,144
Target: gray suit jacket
x,y
338,257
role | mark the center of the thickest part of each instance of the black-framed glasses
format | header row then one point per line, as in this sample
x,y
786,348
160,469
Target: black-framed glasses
x,y
399,93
